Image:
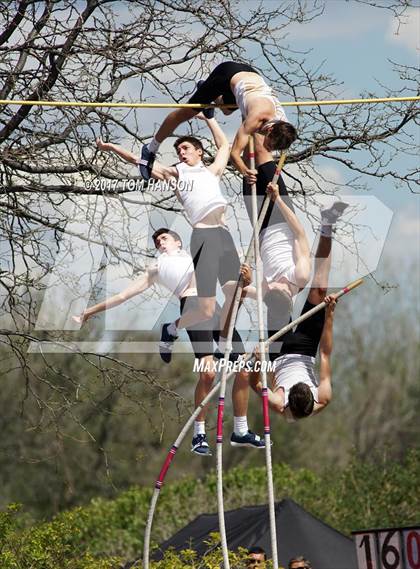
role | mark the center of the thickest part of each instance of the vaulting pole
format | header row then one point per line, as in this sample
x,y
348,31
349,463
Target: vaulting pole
x,y
220,410
263,356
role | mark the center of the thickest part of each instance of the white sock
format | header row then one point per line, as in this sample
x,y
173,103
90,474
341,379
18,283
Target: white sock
x,y
326,230
240,426
199,428
172,329
153,146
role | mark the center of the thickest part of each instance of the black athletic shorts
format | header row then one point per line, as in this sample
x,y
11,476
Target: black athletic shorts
x,y
264,176
305,339
218,83
215,259
201,335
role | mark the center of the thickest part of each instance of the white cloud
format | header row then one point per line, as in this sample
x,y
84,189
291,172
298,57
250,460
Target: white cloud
x,y
339,20
407,33
404,237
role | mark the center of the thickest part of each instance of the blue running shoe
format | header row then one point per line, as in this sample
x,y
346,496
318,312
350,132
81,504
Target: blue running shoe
x,y
199,445
146,163
208,113
248,440
233,356
166,344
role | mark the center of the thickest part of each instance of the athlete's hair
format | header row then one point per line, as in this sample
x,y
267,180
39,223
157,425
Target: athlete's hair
x,y
162,230
257,549
191,139
281,135
301,400
300,558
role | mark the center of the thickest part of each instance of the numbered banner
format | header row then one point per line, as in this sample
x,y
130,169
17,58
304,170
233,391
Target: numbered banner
x,y
366,551
390,549
411,539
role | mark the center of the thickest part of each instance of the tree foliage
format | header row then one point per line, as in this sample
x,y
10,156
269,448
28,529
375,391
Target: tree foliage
x,y
359,496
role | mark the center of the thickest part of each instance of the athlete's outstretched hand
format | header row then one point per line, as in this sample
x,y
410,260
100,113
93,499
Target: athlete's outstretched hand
x,y
246,274
102,145
273,191
81,319
331,301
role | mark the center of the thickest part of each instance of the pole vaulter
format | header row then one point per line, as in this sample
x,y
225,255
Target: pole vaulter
x,y
174,448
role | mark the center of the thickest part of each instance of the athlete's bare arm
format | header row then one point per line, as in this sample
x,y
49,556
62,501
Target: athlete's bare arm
x,y
134,289
123,153
223,149
239,145
160,172
259,112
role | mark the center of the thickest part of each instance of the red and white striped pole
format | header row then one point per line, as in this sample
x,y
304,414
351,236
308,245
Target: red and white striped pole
x,y
263,355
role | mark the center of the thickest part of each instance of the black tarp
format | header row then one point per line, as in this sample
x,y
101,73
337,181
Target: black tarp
x,y
298,533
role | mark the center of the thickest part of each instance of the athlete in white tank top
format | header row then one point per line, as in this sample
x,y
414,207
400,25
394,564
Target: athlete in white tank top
x,y
175,271
201,194
297,391
291,369
261,113
285,252
205,206
245,90
263,117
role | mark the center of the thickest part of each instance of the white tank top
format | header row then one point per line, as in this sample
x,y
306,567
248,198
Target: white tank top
x,y
201,194
175,271
292,369
244,88
277,253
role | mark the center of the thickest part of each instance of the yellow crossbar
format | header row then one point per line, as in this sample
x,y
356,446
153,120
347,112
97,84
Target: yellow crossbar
x,y
198,106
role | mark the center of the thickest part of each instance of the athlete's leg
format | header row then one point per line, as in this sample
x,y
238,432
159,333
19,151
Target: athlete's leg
x,y
240,394
228,274
205,311
322,270
199,443
323,254
205,251
194,311
172,121
219,101
228,289
204,385
241,435
207,91
305,339
202,343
